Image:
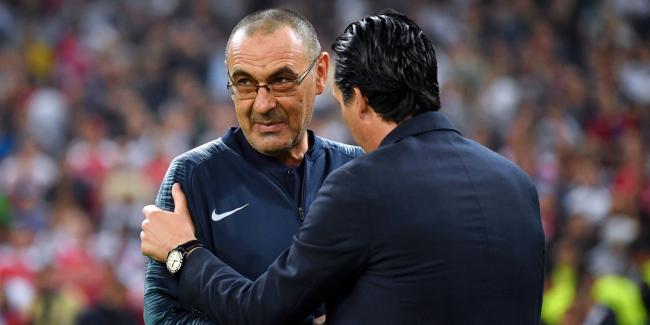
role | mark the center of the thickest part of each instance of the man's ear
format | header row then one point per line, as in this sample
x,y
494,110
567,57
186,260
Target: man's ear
x,y
322,70
361,107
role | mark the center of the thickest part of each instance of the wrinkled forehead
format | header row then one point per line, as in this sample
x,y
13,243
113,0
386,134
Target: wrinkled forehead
x,y
263,50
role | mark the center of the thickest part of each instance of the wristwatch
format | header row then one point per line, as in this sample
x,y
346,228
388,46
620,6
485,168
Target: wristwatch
x,y
176,256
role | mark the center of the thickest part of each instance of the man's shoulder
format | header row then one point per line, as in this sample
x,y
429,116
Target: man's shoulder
x,y
501,163
204,152
194,158
184,166
340,148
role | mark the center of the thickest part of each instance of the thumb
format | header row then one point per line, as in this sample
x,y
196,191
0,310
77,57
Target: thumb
x,y
180,203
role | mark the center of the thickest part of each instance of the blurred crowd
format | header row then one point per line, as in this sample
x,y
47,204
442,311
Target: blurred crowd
x,y
96,98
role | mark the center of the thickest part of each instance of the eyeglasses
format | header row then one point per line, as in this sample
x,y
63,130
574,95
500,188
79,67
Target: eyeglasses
x,y
245,88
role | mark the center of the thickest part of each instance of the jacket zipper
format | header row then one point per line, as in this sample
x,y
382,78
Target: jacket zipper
x,y
301,214
301,210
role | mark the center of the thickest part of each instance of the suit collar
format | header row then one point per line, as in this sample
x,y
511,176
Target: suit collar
x,y
423,122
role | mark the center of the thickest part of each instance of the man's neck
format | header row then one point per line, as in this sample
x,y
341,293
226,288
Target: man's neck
x,y
294,156
376,132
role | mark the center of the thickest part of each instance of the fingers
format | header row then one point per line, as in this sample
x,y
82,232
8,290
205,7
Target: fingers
x,y
144,247
149,210
145,234
180,203
164,230
149,245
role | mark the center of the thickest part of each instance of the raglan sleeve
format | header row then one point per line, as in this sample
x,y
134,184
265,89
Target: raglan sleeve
x,y
161,303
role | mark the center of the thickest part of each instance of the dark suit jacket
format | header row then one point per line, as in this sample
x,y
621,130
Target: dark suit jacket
x,y
431,228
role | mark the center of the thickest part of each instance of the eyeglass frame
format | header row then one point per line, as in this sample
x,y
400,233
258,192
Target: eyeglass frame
x,y
230,85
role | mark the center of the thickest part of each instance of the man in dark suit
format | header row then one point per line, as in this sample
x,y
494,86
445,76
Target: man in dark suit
x,y
427,228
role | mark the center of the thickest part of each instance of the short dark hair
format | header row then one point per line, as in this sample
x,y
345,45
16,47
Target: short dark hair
x,y
269,20
392,62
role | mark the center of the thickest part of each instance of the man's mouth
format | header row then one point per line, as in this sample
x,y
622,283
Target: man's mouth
x,y
271,126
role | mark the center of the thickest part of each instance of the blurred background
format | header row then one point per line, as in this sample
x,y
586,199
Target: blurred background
x,y
96,98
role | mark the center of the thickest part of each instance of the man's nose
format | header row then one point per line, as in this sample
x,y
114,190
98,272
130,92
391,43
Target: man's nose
x,y
264,101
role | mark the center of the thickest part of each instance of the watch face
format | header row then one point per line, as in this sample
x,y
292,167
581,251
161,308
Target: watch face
x,y
174,261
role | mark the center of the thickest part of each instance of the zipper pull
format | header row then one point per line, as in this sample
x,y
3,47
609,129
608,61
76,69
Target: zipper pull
x,y
301,214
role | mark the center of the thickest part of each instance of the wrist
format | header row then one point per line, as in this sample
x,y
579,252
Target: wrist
x,y
177,256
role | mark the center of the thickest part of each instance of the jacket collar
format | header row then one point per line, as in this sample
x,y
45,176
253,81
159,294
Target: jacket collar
x,y
423,122
236,140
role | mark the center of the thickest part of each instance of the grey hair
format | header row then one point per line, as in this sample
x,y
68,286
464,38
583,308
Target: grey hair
x,y
269,20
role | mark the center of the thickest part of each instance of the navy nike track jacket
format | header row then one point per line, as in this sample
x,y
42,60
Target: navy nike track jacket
x,y
244,216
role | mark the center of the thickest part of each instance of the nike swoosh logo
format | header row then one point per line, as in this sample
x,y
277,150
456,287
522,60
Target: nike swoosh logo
x,y
218,216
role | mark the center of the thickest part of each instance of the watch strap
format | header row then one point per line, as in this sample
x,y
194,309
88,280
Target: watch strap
x,y
188,246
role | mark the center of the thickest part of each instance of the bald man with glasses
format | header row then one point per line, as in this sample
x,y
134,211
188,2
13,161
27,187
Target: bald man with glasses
x,y
248,191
